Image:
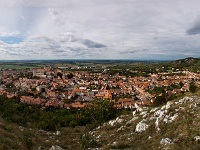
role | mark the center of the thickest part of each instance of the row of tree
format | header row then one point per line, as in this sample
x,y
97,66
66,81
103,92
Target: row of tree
x,y
52,118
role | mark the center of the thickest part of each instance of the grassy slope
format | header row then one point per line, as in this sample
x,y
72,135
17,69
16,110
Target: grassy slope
x,y
16,137
182,130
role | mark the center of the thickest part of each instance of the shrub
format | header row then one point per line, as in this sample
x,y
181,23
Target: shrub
x,y
192,87
86,141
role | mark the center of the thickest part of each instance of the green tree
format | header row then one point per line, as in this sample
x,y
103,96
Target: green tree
x,y
101,111
59,74
181,84
160,100
192,87
69,76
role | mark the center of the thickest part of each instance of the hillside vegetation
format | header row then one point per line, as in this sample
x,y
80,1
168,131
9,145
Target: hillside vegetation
x,y
174,125
170,123
171,126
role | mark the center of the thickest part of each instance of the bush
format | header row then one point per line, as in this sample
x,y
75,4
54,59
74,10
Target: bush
x,y
87,141
192,87
160,100
27,140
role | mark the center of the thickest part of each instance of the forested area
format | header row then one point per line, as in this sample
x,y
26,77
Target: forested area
x,y
51,118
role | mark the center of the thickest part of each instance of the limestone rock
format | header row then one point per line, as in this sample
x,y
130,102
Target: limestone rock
x,y
134,112
168,105
141,126
56,147
184,100
58,132
166,141
197,138
113,122
154,109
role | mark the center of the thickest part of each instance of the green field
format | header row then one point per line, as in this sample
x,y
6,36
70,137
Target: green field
x,y
19,66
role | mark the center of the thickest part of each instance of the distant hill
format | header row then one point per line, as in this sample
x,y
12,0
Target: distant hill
x,y
190,63
187,61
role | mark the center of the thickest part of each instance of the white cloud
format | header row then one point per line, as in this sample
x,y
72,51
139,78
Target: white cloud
x,y
56,17
106,29
66,45
7,34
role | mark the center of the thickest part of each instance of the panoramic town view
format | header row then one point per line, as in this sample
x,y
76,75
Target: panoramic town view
x,y
99,75
76,86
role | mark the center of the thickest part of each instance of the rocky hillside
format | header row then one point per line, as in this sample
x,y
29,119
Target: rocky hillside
x,y
189,63
175,125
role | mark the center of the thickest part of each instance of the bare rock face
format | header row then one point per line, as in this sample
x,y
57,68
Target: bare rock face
x,y
141,126
56,147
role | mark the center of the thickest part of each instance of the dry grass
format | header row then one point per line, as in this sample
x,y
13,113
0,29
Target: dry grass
x,y
182,130
19,138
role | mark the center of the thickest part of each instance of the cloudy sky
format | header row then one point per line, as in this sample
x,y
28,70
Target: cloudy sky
x,y
99,29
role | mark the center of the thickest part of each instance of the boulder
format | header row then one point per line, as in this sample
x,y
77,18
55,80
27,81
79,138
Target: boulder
x,y
197,138
141,126
153,110
143,114
168,105
166,141
184,100
113,122
194,105
157,124
134,112
56,147
58,132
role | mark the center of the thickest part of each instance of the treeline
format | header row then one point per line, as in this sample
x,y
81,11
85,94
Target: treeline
x,y
52,119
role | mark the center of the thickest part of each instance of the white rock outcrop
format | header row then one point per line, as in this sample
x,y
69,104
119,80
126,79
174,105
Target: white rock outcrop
x,y
141,126
113,122
168,105
166,141
56,147
153,110
197,138
185,99
134,112
58,133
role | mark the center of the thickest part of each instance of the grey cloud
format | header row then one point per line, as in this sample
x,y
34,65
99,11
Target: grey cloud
x,y
65,44
16,54
59,51
68,37
132,51
91,44
57,18
71,38
195,29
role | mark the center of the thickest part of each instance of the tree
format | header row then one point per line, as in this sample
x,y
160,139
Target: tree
x,y
59,74
100,111
181,84
192,87
160,100
69,76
